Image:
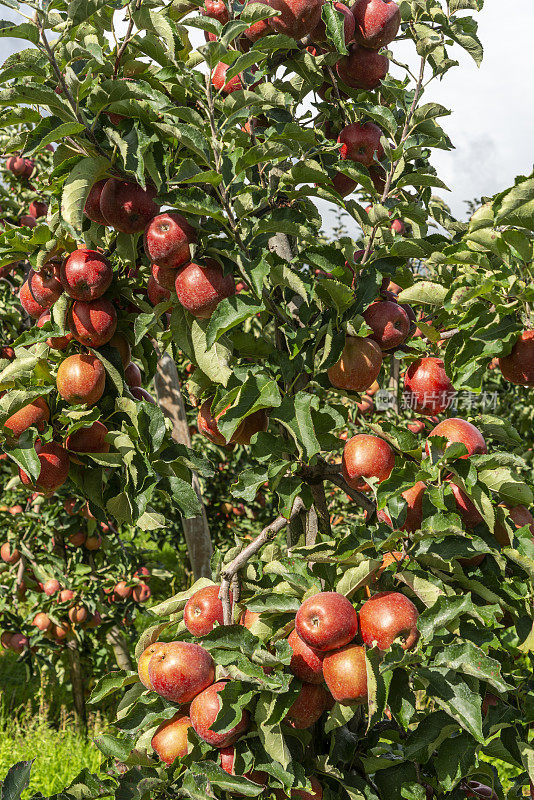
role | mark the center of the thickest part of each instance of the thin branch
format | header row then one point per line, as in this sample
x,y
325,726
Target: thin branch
x,y
449,334
359,498
231,569
127,37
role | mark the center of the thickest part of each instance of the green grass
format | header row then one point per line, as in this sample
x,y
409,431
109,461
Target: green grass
x,y
59,754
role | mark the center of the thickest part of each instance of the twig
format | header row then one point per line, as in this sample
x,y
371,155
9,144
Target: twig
x,y
231,569
127,37
449,334
364,502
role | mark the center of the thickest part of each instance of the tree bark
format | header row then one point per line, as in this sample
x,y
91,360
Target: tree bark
x,y
116,639
78,686
321,508
196,530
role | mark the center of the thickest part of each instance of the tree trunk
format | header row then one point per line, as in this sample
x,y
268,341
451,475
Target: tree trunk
x,y
196,530
78,686
116,639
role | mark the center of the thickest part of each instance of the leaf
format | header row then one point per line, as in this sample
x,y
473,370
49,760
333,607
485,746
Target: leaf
x,y
471,660
230,312
178,601
427,592
356,577
111,683
26,30
517,205
510,488
443,614
76,189
295,415
377,685
214,360
335,27
227,782
456,697
425,292
17,780
270,734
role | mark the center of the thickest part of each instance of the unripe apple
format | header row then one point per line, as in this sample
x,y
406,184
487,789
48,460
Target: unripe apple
x,y
141,593
203,713
170,740
55,464
389,322
178,671
8,555
377,22
81,379
326,621
92,204
387,616
36,414
306,663
358,366
312,701
201,287
132,375
144,661
93,323
218,79
86,275
360,142
428,387
38,208
203,610
156,293
55,342
364,457
167,240
126,206
362,68
89,440
345,674
455,429
518,366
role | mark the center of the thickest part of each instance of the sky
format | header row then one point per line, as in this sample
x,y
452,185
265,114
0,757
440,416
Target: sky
x,y
492,124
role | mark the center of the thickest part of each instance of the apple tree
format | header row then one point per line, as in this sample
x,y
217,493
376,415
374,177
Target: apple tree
x,y
386,655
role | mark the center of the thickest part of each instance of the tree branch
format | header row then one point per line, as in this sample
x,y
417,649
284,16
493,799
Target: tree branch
x,y
231,569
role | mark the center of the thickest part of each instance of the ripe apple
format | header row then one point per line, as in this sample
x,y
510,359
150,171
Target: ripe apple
x,y
306,663
122,590
55,464
201,287
121,344
132,375
92,204
345,674
227,758
203,610
360,142
155,292
455,429
55,342
164,276
414,511
203,713
389,322
349,24
92,324
8,555
144,661
518,516
42,621
326,621
397,227
86,275
366,456
77,539
44,287
216,9
29,303
20,167
66,595
37,209
168,238
5,639
377,22
141,394
126,206
178,671
518,366
89,440
170,740
312,701
142,574
466,508
207,425
141,593
387,616
60,631
479,790
18,642
362,68
218,79
358,366
93,543
81,379
36,414
51,587
428,387
77,614
343,184
302,794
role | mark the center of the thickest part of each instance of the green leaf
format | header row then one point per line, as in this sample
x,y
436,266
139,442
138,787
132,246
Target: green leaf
x,y
471,660
214,360
26,30
456,697
17,780
230,312
425,292
76,188
335,27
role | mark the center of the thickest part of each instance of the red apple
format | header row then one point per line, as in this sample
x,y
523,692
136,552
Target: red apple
x,y
218,79
89,440
126,206
92,324
326,621
37,209
77,539
44,287
518,366
466,508
156,293
144,662
77,614
18,642
207,425
86,275
306,663
377,22
92,204
55,464
81,379
120,343
168,238
141,593
358,366
164,276
55,342
216,9
345,674
141,394
360,142
389,322
227,758
428,388
8,555
20,167
518,517
170,740
459,430
42,621
312,701
362,68
387,616
203,610
203,713
93,543
51,587
132,375
34,414
122,590
364,457
29,303
66,595
178,671
201,287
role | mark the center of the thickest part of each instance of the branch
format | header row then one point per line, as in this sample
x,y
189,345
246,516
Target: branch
x,y
323,517
231,569
449,334
127,37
